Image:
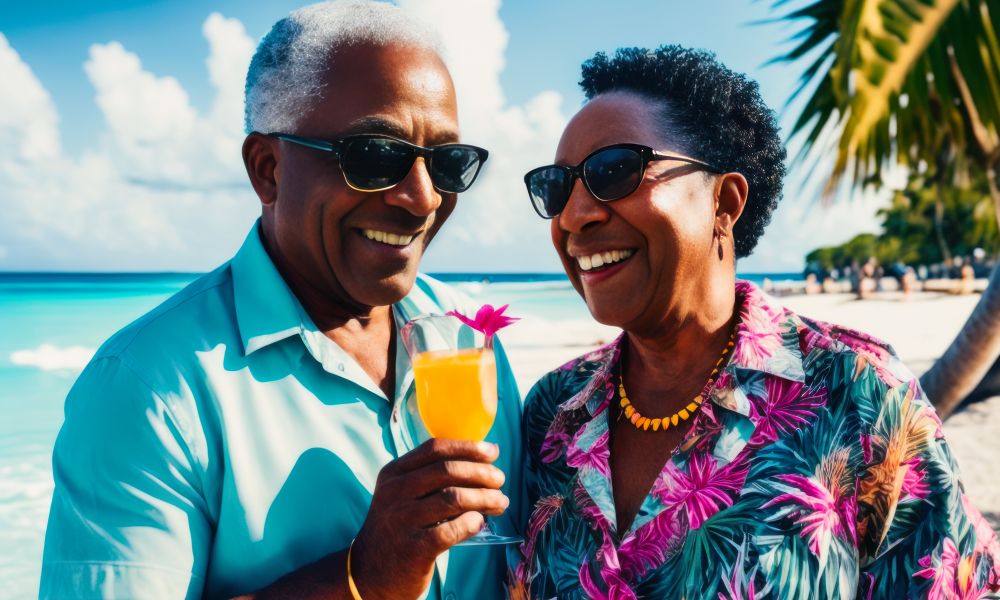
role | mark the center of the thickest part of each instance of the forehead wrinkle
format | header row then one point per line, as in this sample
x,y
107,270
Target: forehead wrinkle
x,y
381,125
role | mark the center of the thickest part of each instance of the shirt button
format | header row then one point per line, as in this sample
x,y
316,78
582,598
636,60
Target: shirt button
x,y
450,596
340,367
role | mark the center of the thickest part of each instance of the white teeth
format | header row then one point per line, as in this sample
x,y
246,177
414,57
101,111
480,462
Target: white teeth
x,y
600,259
391,239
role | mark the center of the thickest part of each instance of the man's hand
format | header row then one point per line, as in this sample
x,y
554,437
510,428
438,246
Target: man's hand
x,y
424,503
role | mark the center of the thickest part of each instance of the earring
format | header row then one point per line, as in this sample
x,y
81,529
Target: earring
x,y
722,240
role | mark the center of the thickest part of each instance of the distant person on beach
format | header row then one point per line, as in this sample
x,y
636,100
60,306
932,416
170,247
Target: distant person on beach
x,y
967,277
723,446
245,437
867,282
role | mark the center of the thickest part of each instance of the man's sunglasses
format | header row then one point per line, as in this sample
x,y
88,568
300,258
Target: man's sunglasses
x,y
608,173
372,163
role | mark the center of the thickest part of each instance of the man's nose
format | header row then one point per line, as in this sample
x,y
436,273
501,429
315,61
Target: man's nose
x,y
582,210
415,192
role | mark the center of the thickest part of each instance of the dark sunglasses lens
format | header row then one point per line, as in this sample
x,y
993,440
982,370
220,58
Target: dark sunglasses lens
x,y
454,168
613,173
375,163
549,188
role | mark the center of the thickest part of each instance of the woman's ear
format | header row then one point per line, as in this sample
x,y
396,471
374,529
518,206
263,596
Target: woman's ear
x,y
260,156
731,191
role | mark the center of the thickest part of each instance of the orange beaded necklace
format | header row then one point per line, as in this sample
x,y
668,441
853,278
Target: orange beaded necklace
x,y
645,423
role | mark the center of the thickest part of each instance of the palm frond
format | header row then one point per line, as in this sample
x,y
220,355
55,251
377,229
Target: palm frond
x,y
900,81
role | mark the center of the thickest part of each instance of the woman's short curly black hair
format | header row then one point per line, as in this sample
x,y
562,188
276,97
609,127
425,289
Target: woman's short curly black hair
x,y
710,113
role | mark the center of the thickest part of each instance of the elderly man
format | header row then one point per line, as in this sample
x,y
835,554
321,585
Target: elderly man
x,y
240,437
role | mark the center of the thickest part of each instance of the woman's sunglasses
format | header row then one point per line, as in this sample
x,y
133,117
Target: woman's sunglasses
x,y
608,173
372,163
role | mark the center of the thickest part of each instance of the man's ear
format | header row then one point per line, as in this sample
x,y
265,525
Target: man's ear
x,y
260,156
731,191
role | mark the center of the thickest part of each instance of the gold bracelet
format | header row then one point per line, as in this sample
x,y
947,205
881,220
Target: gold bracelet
x,y
350,580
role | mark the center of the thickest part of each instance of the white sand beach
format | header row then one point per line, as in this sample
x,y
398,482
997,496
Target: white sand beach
x,y
919,327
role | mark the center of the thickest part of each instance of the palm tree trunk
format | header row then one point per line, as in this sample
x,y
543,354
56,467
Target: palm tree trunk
x,y
970,355
939,225
976,347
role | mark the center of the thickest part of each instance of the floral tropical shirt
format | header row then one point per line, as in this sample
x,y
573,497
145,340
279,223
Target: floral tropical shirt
x,y
817,470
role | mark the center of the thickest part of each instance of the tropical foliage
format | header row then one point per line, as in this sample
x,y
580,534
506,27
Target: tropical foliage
x,y
922,227
912,84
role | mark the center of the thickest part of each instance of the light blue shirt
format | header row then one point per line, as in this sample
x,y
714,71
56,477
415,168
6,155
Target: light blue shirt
x,y
222,441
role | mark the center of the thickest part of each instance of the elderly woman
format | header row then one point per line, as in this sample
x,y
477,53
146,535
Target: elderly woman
x,y
723,446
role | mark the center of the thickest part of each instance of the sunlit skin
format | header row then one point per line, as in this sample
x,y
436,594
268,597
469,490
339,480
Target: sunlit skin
x,y
674,296
312,220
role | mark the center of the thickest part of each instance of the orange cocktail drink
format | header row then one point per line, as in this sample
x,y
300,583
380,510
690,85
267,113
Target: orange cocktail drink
x,y
457,392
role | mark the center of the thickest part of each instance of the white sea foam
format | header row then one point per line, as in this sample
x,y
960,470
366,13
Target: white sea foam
x,y
25,494
53,358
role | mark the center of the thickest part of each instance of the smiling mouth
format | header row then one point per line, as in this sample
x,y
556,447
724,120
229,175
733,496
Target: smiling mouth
x,y
602,260
387,238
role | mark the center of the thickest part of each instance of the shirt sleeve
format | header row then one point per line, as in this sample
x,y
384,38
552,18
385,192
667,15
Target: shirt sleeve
x,y
128,519
919,536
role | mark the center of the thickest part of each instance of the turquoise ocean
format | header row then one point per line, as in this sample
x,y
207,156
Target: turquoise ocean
x,y
51,323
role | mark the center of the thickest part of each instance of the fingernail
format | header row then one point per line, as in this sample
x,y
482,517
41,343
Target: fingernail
x,y
506,501
488,447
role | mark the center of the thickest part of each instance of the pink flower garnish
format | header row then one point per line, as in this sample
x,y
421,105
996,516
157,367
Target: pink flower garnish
x,y
488,320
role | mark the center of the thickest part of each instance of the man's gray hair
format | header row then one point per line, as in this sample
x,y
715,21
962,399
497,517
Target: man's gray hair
x,y
286,72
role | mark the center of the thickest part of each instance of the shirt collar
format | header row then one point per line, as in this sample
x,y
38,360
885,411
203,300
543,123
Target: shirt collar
x,y
267,312
266,309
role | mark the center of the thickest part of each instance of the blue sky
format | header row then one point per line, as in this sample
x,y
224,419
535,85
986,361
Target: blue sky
x,y
132,113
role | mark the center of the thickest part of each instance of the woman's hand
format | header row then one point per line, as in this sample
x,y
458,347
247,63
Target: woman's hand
x,y
424,502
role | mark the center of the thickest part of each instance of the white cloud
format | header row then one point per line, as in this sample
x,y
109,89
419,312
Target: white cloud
x,y
29,125
164,187
494,220
53,358
141,109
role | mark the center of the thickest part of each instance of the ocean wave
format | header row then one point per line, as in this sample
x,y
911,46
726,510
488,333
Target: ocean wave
x,y
48,357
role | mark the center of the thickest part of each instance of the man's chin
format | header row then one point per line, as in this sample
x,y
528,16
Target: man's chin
x,y
387,290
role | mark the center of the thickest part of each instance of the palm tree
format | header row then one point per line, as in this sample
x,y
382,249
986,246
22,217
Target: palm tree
x,y
914,83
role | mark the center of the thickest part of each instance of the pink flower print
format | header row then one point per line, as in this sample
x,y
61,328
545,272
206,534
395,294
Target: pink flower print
x,y
787,407
596,457
986,540
932,415
821,514
866,447
758,337
813,340
607,558
724,381
915,481
740,585
544,510
553,446
942,569
589,509
702,490
648,546
870,351
617,588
